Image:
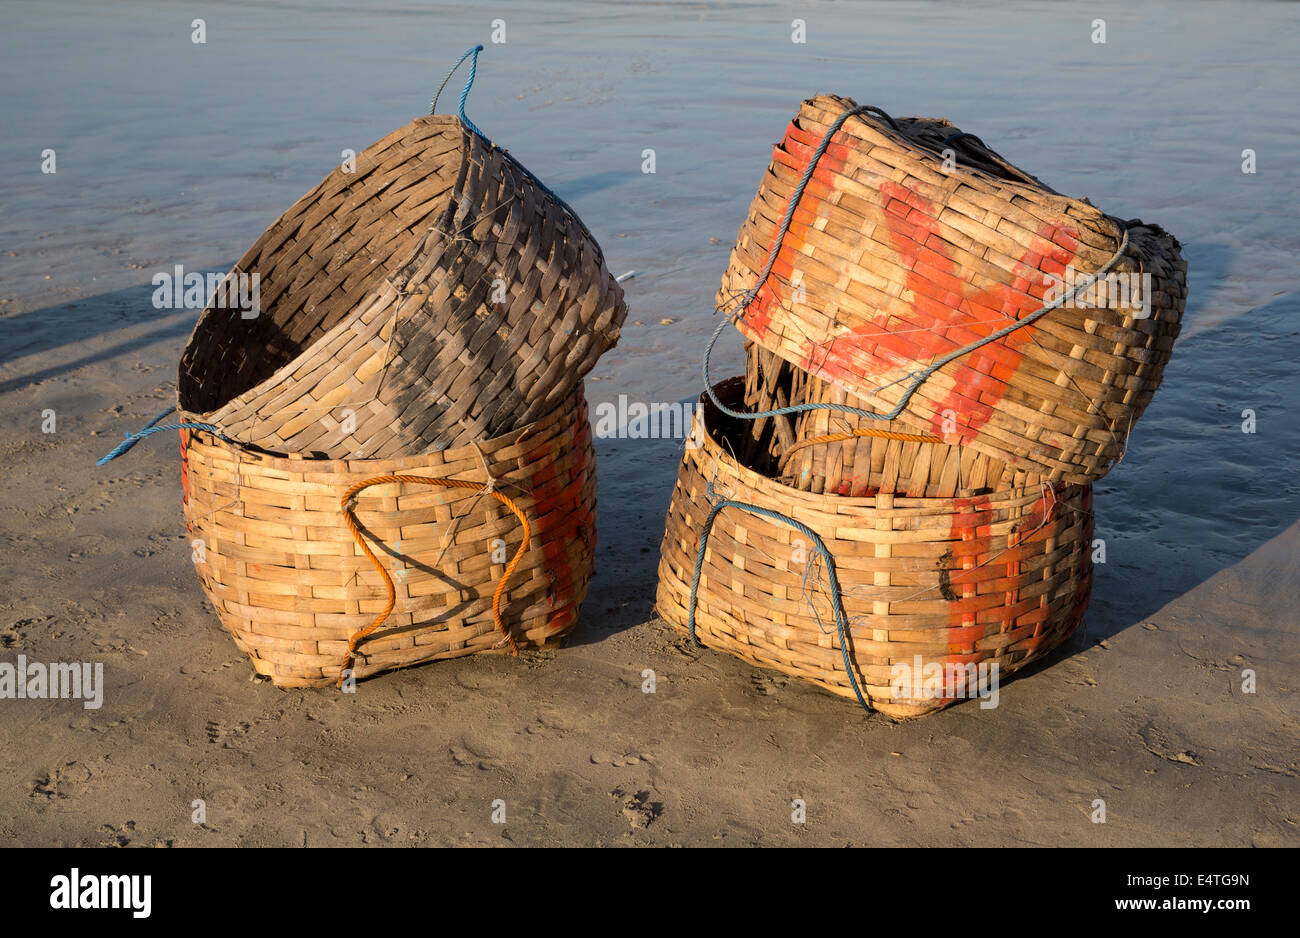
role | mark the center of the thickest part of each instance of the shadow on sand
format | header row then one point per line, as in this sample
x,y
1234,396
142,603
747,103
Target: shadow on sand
x,y
37,333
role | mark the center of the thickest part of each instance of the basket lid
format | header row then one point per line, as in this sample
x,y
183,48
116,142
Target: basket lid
x,y
910,240
429,292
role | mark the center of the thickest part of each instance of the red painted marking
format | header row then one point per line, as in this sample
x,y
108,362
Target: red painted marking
x,y
185,477
970,615
942,302
796,151
561,517
944,313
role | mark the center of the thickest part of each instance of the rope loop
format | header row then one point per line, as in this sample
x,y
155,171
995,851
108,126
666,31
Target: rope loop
x,y
347,504
472,55
841,619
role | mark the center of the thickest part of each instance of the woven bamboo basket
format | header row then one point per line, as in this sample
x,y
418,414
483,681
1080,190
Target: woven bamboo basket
x,y
845,454
894,260
291,584
995,579
435,295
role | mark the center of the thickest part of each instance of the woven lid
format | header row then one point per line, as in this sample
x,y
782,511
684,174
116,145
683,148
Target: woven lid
x,y
912,241
429,295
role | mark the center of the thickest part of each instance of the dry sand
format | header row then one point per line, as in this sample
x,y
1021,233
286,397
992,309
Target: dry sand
x,y
1145,710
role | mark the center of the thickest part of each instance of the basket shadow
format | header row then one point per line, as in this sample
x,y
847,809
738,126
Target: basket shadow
x,y
589,184
1204,484
1208,267
38,332
636,478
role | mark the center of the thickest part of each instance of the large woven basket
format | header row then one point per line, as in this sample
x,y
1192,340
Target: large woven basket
x,y
290,583
841,453
894,259
1000,578
435,295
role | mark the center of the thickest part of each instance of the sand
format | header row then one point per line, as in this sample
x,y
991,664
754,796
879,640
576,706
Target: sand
x,y
170,153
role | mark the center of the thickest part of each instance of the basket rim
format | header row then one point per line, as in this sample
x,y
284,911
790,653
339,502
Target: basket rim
x,y
276,376
731,390
573,404
961,170
468,143
908,143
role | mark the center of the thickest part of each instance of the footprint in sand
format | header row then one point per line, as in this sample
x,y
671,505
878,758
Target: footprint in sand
x,y
117,836
17,633
638,808
549,725
703,760
66,781
108,727
1157,743
467,754
228,734
767,684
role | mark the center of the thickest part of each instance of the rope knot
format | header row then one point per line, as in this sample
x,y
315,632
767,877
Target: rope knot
x,y
490,485
716,494
1049,501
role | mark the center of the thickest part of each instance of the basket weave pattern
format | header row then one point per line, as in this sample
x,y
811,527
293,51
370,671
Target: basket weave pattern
x,y
438,292
793,450
892,261
291,585
1000,578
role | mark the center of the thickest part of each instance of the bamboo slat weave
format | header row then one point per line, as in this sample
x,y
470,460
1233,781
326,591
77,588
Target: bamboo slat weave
x,y
434,295
998,579
864,465
288,581
894,259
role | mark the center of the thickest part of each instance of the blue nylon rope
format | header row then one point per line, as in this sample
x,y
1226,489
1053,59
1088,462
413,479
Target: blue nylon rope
x,y
433,106
151,428
841,620
464,92
472,55
918,377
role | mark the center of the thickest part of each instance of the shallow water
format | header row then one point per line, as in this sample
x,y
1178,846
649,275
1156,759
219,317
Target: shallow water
x,y
176,153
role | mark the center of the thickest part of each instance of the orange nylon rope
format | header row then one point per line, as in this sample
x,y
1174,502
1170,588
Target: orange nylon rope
x,y
351,522
862,431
